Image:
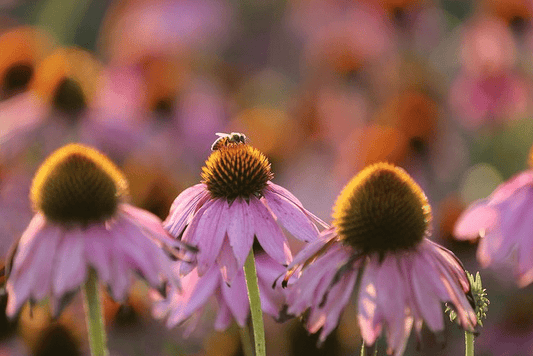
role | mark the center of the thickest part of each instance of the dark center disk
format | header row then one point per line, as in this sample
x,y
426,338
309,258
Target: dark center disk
x,y
78,191
69,97
16,79
236,170
383,213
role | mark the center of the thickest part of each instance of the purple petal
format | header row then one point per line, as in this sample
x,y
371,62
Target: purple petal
x,y
201,288
240,230
291,217
224,317
98,249
427,301
368,314
337,302
511,187
227,262
150,223
236,298
43,261
30,238
477,218
290,197
183,208
70,266
269,234
210,234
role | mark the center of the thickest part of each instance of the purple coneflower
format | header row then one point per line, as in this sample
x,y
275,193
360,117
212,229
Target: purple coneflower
x,y
378,244
235,202
503,222
83,225
232,299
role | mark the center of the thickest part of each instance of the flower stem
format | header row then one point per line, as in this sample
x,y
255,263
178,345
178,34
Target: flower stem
x,y
255,304
94,316
469,343
246,341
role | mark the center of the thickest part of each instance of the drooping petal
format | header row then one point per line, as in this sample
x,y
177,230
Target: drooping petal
x,y
98,251
269,234
240,230
279,190
477,218
43,262
210,234
368,314
199,290
291,217
224,317
236,298
26,245
227,262
70,269
183,208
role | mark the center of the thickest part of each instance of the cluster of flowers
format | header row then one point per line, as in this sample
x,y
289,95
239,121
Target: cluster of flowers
x,y
377,246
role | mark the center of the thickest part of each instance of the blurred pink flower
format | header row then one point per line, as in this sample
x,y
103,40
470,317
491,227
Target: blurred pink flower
x,y
235,203
82,224
502,222
232,299
381,222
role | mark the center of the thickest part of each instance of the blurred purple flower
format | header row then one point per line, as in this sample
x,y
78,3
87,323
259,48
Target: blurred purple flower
x,y
232,299
381,221
81,223
235,203
502,222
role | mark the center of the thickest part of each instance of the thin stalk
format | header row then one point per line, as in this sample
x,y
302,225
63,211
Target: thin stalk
x,y
94,316
255,304
246,341
469,343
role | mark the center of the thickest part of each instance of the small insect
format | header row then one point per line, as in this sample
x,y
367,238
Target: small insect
x,y
224,139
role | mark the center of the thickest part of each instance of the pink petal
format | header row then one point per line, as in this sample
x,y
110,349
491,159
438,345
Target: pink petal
x,y
43,261
202,288
183,208
338,302
240,230
236,298
227,262
427,301
291,217
368,314
511,187
210,234
289,196
70,268
30,237
98,251
151,224
269,234
479,217
224,317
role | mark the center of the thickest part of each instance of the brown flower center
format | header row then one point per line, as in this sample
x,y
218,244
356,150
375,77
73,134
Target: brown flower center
x,y
77,185
235,169
382,209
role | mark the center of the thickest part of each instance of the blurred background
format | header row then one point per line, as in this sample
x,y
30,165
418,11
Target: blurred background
x,y
322,87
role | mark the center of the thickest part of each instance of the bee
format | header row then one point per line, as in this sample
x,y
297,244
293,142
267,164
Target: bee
x,y
225,139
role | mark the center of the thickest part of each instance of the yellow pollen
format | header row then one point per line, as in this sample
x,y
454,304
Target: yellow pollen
x,y
382,209
77,184
236,170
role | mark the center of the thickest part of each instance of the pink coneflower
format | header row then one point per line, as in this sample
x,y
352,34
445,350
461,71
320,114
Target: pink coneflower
x,y
81,225
232,300
379,238
236,202
503,222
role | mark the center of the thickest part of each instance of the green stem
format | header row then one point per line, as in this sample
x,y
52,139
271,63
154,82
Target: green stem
x,y
255,304
94,316
469,343
246,341
363,353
